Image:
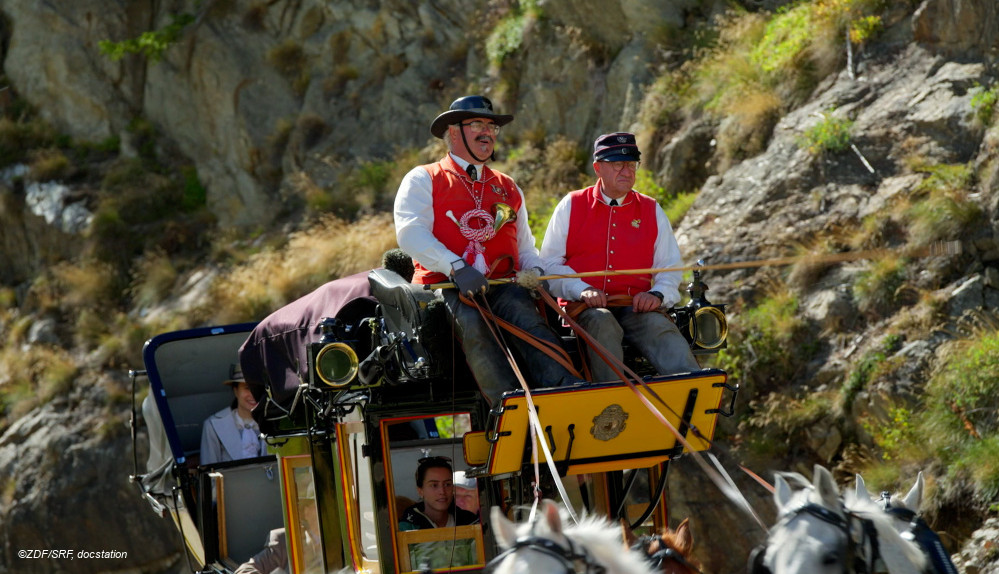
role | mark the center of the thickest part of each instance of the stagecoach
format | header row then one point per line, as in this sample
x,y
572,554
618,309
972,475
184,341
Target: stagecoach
x,y
361,379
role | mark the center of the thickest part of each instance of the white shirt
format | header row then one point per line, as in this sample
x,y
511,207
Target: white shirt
x,y
666,254
414,224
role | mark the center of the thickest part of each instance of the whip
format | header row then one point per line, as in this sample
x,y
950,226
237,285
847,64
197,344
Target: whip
x,y
944,248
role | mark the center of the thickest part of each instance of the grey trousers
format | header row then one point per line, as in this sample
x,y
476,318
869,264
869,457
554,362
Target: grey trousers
x,y
492,371
653,334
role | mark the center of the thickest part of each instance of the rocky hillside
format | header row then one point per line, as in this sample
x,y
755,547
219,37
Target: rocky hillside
x,y
249,118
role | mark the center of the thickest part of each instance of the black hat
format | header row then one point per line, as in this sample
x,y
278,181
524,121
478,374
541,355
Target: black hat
x,y
464,108
618,146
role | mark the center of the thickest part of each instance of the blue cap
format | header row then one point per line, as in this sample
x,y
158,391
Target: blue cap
x,y
619,146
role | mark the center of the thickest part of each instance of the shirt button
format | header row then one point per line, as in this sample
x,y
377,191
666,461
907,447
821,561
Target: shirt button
x,y
612,237
612,252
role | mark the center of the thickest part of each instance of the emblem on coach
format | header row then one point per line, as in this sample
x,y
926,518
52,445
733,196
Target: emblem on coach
x,y
609,423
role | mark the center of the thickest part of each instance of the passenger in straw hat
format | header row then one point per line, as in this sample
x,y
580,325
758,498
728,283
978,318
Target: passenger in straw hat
x,y
231,433
610,226
445,219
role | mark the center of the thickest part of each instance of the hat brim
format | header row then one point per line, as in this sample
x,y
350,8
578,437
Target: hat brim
x,y
620,157
440,124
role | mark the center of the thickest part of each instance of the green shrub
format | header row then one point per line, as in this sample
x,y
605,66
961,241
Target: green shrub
x,y
831,134
865,28
507,35
867,370
769,344
876,288
785,38
942,209
151,44
960,424
983,102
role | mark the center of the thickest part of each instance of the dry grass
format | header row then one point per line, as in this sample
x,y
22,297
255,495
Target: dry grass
x,y
330,249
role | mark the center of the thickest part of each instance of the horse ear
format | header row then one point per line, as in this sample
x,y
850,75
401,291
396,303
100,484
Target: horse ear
x,y
915,495
506,531
550,510
782,492
862,493
683,537
825,487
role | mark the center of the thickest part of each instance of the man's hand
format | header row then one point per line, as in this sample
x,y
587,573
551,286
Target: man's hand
x,y
593,297
468,279
645,302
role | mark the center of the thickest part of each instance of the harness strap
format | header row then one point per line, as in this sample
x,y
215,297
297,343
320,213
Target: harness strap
x,y
553,351
727,487
537,433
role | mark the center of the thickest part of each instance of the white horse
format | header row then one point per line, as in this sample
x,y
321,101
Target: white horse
x,y
817,532
905,517
548,545
908,505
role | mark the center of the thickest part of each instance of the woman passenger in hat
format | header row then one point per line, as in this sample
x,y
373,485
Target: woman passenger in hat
x,y
444,219
231,433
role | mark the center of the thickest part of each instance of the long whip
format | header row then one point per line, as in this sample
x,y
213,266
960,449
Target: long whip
x,y
945,248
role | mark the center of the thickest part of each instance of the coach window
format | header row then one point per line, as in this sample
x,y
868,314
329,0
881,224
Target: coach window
x,y
433,444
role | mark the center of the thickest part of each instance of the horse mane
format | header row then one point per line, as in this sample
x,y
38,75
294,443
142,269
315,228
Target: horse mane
x,y
596,535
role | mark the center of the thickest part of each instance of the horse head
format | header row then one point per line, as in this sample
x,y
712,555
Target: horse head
x,y
669,552
817,533
548,544
907,521
901,509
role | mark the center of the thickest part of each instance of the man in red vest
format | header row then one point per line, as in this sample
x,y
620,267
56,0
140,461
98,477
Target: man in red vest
x,y
445,219
610,226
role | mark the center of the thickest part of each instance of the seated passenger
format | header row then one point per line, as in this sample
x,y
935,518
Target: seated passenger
x,y
466,493
609,226
231,433
437,509
273,559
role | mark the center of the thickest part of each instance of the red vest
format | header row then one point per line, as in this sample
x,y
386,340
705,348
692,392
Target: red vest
x,y
451,194
602,237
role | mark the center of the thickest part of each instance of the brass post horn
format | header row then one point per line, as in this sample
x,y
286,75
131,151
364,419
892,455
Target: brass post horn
x,y
502,214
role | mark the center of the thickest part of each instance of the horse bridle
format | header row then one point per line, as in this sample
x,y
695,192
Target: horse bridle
x,y
868,536
919,532
572,558
665,552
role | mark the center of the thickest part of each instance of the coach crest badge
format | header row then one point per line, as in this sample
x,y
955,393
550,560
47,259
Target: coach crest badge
x,y
609,423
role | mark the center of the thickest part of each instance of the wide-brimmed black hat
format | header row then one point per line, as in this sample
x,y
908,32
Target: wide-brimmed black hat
x,y
467,107
619,146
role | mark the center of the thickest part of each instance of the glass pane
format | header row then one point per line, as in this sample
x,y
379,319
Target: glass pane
x,y
307,524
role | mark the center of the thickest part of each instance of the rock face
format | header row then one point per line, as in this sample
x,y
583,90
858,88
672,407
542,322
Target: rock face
x,y
255,92
71,492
